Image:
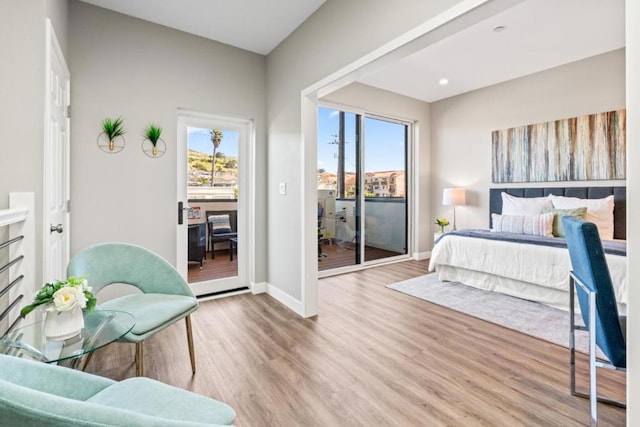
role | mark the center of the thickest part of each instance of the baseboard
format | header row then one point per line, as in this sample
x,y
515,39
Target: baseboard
x,y
284,298
258,288
420,256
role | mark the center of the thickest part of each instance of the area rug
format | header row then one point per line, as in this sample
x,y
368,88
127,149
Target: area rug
x,y
531,318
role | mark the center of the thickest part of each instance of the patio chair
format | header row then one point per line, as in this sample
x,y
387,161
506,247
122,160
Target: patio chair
x,y
222,227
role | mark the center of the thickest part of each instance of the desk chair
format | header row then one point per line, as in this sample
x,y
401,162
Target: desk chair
x,y
591,280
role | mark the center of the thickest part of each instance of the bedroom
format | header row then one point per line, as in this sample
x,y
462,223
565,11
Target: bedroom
x,y
277,266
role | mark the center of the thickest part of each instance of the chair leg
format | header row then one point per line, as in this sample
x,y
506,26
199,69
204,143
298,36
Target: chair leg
x,y
86,360
192,355
139,359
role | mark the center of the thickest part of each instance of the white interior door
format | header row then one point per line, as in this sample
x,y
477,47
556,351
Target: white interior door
x,y
56,161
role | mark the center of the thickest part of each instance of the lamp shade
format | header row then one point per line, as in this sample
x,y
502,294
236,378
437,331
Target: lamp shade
x,y
453,196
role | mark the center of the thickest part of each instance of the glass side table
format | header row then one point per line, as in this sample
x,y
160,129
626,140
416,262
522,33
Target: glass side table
x,y
101,327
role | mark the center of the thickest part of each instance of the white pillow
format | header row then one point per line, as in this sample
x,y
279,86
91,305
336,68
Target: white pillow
x,y
512,205
599,211
537,225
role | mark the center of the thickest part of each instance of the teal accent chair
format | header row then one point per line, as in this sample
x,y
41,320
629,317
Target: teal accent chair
x,y
34,394
165,299
591,281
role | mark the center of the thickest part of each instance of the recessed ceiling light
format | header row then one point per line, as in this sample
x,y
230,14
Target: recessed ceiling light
x,y
499,28
443,81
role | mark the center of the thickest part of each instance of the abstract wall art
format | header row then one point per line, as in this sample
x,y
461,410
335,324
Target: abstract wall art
x,y
584,148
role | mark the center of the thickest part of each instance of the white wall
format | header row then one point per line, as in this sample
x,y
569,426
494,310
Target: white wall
x,y
633,208
462,126
385,103
337,34
122,66
22,75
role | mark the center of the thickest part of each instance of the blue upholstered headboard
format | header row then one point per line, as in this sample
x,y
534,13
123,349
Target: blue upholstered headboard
x,y
619,196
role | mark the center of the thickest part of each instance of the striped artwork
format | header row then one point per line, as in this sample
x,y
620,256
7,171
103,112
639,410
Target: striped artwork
x,y
582,148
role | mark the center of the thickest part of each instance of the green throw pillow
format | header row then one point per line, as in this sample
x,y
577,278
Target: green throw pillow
x,y
558,229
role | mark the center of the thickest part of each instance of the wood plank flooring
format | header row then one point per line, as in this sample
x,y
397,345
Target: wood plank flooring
x,y
372,357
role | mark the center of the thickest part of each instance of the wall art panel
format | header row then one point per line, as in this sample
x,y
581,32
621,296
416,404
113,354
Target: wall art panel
x,y
585,148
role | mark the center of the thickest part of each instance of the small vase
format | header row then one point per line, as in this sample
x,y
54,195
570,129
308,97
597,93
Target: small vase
x,y
61,325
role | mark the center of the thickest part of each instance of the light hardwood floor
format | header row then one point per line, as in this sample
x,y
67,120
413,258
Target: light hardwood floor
x,y
372,357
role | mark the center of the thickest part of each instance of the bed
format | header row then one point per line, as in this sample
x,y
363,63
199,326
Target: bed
x,y
529,267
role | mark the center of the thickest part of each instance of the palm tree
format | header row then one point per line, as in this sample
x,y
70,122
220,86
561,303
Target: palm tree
x,y
216,139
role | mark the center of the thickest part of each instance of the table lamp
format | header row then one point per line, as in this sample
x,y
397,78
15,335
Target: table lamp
x,y
453,197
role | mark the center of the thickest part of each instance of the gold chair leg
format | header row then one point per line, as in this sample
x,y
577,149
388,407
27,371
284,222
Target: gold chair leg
x,y
139,359
192,355
87,358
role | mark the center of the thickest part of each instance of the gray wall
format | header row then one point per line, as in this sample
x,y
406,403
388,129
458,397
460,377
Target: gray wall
x,y
22,74
337,34
122,66
463,124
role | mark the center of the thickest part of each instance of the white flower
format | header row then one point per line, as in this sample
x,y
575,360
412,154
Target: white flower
x,y
69,297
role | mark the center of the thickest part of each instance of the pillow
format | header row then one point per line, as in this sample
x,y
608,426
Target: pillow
x,y
558,229
599,211
512,205
537,225
219,224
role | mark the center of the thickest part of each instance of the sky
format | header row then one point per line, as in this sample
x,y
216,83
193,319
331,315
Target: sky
x,y
199,139
384,143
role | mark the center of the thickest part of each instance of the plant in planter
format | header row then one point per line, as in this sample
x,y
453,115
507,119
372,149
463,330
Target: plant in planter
x,y
442,223
113,129
152,133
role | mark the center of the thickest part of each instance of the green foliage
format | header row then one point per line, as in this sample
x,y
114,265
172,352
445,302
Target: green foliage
x,y
113,128
152,133
46,294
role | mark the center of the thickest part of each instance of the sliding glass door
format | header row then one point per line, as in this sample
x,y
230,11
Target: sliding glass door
x,y
362,182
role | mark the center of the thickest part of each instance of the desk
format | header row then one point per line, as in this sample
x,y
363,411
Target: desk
x,y
101,327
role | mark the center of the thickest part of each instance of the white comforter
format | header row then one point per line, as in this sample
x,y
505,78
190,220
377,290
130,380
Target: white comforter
x,y
483,263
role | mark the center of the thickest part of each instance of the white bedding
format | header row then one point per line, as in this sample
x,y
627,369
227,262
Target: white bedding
x,y
534,272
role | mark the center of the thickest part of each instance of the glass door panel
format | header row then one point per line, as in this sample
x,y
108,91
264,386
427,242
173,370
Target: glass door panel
x,y
385,183
338,213
212,191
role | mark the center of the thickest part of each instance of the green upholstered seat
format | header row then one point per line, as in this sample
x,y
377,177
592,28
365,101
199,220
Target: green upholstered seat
x,y
165,296
39,394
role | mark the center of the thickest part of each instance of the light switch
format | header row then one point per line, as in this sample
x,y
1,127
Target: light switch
x,y
283,188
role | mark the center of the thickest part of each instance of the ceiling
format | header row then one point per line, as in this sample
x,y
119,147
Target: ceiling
x,y
537,35
255,25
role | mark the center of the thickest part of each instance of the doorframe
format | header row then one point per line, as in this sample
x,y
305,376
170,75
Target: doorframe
x,y
246,196
52,47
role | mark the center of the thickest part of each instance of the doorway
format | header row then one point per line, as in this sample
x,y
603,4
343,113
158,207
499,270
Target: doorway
x,y
362,189
213,195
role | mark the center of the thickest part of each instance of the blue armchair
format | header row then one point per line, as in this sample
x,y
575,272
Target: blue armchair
x,y
591,280
38,394
165,299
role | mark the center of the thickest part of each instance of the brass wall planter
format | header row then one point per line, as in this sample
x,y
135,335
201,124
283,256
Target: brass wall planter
x,y
154,151
113,146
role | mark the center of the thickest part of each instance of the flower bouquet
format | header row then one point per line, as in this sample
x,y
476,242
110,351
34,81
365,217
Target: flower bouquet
x,y
442,222
64,302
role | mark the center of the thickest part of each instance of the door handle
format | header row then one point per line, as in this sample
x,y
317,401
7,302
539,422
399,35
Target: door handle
x,y
181,209
57,228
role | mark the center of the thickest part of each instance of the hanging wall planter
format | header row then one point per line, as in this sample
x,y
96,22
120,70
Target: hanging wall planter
x,y
111,140
152,144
